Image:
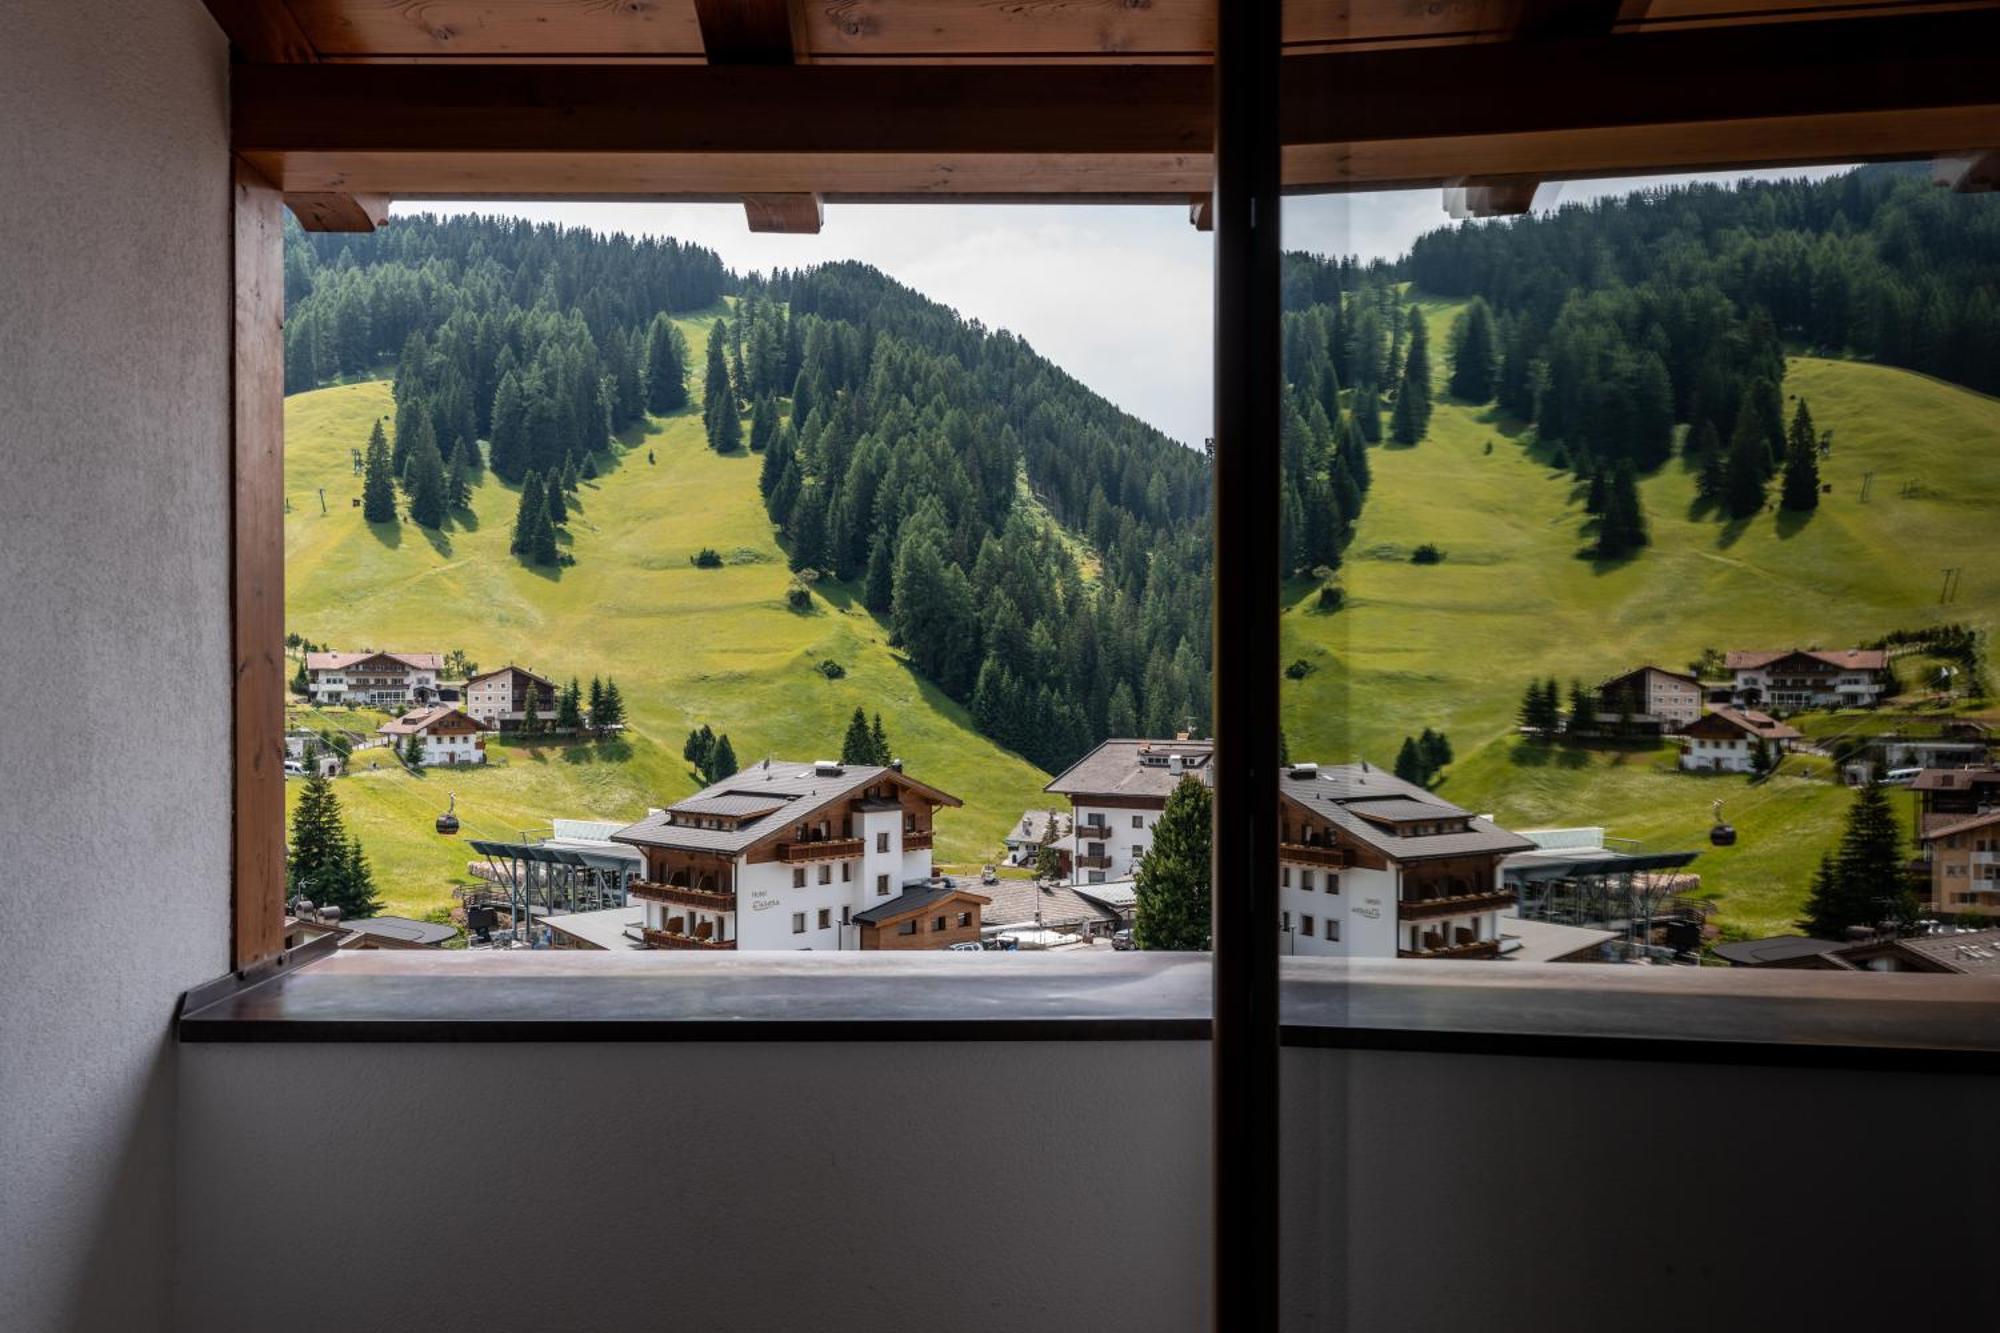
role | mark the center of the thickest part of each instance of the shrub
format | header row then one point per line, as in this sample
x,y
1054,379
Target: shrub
x,y
1330,597
831,669
799,597
706,558
1427,554
1299,670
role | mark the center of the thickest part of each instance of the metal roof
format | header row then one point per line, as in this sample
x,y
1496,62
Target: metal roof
x,y
1336,792
574,857
790,792
915,899
1540,865
1118,768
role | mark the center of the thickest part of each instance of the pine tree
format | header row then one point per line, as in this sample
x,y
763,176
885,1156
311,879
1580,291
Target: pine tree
x,y
597,705
855,747
430,502
723,763
569,473
611,712
1121,715
1746,467
317,848
1864,880
763,423
588,472
1406,420
526,514
1417,371
1436,750
1475,358
666,367
1550,711
878,740
700,747
1410,762
1582,708
1622,527
557,502
413,751
378,486
569,708
458,476
1173,908
543,549
1800,489
531,715
301,682
718,397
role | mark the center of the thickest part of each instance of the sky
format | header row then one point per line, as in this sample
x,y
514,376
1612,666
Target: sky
x,y
1118,295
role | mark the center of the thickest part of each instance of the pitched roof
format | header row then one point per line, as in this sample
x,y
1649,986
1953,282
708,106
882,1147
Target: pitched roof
x,y
1624,676
1778,948
1958,824
422,720
915,899
1968,951
341,661
1846,659
510,668
1761,725
1339,792
1015,902
1955,779
787,791
1030,826
1134,768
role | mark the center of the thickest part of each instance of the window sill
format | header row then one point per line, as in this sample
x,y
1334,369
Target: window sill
x,y
1708,1015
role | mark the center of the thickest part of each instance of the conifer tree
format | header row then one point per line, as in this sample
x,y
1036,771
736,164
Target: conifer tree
x,y
1582,708
717,392
1622,527
1475,354
1173,907
699,748
597,706
588,472
378,485
666,367
556,502
763,423
317,849
458,476
856,747
723,763
531,714
569,707
527,514
1405,420
508,434
421,441
1864,880
430,502
301,682
878,740
569,473
1121,715
611,712
1048,856
1745,468
1800,489
543,549
354,891
1417,371
1410,762
1436,751
413,750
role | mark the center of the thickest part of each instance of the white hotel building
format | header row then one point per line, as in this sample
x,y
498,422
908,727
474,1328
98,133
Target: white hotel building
x,y
788,855
1369,866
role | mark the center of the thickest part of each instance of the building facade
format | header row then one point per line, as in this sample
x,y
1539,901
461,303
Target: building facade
x,y
1727,740
787,855
371,679
1964,857
1116,794
1369,866
447,735
500,698
1651,696
1793,679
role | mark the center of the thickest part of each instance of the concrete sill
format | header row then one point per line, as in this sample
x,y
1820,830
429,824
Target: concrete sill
x,y
1708,1015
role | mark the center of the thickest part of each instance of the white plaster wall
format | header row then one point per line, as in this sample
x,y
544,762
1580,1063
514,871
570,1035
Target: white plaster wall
x,y
114,527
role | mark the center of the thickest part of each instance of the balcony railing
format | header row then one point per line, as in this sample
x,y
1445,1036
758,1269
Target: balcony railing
x,y
669,939
1417,909
828,849
1098,862
918,840
1311,854
1093,829
708,900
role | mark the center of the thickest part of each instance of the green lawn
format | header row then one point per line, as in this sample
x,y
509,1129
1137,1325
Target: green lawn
x,y
686,645
1452,645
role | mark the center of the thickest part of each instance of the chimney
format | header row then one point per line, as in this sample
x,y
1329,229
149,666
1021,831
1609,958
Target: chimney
x,y
1174,761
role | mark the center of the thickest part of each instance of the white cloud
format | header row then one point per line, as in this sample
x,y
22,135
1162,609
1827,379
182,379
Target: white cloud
x,y
1119,296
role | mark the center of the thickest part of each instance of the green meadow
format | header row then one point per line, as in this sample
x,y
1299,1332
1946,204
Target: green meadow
x,y
1453,645
686,645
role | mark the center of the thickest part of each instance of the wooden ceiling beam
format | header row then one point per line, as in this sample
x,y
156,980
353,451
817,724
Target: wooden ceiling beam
x,y
338,212
1968,173
1555,108
1201,211
1490,196
798,214
760,32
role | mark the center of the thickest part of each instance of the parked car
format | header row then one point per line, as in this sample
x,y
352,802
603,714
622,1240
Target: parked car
x,y
294,769
1121,940
1901,777
963,946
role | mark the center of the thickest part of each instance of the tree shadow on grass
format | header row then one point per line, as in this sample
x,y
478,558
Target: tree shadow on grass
x,y
439,539
466,518
551,573
1732,531
1791,522
389,534
1531,754
595,752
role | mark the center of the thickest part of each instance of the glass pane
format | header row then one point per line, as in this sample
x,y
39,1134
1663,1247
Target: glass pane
x,y
1634,608
654,584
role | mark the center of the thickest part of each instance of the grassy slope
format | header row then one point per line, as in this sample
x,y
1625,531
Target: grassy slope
x,y
1452,645
686,645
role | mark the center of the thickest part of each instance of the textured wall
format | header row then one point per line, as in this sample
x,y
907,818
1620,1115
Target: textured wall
x,y
114,618
919,1186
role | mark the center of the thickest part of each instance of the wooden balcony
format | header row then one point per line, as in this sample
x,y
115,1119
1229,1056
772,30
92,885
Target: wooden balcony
x,y
1097,831
831,849
919,841
1470,949
1419,909
1312,854
669,939
708,900
1094,862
